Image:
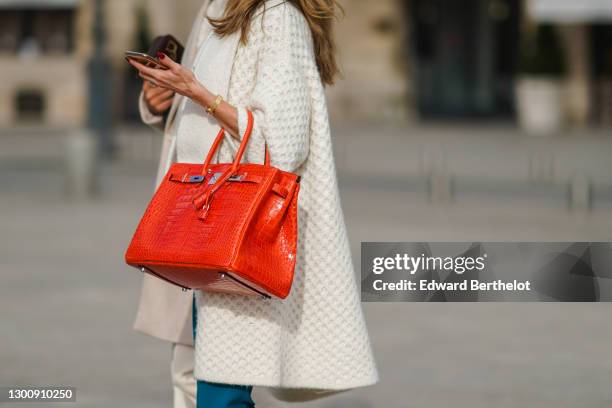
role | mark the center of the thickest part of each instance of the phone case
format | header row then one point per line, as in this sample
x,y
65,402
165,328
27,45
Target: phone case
x,y
169,46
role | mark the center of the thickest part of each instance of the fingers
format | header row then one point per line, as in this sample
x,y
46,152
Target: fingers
x,y
148,85
135,63
154,92
164,106
167,61
158,99
153,81
159,102
159,105
151,72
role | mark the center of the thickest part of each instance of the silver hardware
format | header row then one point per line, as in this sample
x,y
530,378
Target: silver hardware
x,y
214,178
144,269
237,177
221,275
196,178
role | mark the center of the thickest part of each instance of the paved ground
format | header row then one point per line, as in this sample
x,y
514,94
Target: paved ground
x,y
68,301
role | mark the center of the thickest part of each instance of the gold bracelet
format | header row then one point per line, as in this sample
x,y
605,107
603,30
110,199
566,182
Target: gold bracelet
x,y
212,108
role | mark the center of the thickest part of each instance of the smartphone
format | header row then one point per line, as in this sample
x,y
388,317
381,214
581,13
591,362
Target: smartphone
x,y
144,59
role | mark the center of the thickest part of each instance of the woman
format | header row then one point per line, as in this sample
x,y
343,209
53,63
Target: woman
x,y
272,58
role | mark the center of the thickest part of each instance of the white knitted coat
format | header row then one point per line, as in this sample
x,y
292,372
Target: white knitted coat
x,y
316,338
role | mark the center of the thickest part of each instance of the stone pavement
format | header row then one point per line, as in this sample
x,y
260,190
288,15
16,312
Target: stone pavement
x,y
68,300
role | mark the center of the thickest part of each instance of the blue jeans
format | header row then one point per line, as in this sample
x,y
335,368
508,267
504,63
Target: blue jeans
x,y
215,395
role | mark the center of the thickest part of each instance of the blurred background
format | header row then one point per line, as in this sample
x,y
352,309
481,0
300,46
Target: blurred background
x,y
470,120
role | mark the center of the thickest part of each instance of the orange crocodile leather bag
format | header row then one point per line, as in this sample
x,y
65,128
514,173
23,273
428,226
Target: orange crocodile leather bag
x,y
228,227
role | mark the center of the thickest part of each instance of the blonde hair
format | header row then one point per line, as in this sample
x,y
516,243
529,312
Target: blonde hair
x,y
320,15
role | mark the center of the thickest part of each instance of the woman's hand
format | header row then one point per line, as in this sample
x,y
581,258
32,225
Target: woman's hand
x,y
182,81
157,99
176,78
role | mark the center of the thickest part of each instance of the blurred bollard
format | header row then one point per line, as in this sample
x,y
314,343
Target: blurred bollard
x,y
440,187
80,164
541,167
433,164
580,193
540,105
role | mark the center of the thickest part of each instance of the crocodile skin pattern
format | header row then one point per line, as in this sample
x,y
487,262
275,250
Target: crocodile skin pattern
x,y
249,229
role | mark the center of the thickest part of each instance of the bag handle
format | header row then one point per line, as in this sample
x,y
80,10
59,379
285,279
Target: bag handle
x,y
202,201
241,149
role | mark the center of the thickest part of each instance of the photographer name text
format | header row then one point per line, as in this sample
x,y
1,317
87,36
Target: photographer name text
x,y
464,285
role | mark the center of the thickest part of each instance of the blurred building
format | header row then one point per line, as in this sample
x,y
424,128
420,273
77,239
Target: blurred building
x,y
41,57
44,49
400,59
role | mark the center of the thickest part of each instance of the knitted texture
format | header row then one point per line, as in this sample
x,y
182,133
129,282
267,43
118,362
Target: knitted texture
x,y
316,338
195,132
